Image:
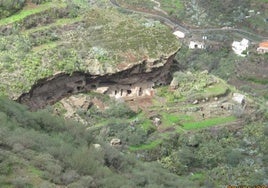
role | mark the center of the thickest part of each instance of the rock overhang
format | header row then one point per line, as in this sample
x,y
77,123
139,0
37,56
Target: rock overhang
x,y
105,41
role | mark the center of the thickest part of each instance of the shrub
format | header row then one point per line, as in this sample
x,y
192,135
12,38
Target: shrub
x,y
69,177
9,7
40,1
84,160
233,157
20,182
119,110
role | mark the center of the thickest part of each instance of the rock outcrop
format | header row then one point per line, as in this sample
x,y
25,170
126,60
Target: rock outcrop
x,y
137,80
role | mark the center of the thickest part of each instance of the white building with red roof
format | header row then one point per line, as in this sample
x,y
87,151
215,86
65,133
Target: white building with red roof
x,y
263,47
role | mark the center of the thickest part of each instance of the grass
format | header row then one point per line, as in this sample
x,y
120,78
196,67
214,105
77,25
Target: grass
x,y
137,4
257,80
170,119
215,90
219,89
198,177
148,146
208,122
172,5
35,171
58,23
46,46
29,11
146,123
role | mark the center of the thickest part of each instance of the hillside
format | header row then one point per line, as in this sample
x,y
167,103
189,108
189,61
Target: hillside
x,y
220,23
250,15
41,150
103,94
53,37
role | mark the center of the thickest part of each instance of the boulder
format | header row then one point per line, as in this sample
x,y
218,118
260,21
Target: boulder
x,y
156,121
115,142
196,102
80,102
97,146
174,84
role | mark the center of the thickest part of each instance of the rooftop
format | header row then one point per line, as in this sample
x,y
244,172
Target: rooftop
x,y
264,44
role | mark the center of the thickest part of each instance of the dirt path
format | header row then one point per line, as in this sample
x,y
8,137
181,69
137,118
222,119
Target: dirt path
x,y
158,7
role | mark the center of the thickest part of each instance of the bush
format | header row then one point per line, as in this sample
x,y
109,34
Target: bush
x,y
233,157
69,177
40,1
9,7
119,110
85,161
20,182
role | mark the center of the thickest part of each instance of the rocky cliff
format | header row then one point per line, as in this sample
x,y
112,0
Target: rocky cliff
x,y
93,45
137,80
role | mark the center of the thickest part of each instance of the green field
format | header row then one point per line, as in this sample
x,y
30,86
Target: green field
x,y
208,123
30,11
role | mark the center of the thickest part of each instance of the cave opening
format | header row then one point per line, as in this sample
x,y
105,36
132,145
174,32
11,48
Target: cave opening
x,y
79,88
140,92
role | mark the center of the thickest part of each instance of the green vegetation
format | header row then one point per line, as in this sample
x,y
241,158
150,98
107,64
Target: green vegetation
x,y
194,86
150,146
170,119
41,150
31,51
204,13
193,135
247,73
208,123
9,7
29,11
139,4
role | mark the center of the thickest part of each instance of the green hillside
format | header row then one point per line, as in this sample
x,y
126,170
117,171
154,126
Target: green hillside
x,y
127,104
247,14
41,150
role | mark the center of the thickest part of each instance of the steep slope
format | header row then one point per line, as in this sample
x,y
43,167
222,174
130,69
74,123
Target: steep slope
x,y
41,150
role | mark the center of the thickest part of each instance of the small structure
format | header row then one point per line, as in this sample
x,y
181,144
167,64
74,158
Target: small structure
x,y
131,90
179,34
263,47
239,98
196,45
240,47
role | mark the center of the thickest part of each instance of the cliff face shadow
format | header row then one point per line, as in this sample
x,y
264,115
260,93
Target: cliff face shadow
x,y
136,81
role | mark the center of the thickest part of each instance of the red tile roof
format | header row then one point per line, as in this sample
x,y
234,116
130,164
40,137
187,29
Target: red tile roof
x,y
264,44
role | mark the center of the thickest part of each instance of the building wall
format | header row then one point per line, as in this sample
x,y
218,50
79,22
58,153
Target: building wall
x,y
262,50
136,90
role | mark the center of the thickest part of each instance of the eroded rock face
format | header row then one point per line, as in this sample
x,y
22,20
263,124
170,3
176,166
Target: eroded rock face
x,y
135,81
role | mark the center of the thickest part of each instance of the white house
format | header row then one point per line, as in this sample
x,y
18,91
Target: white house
x,y
263,47
196,44
240,47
